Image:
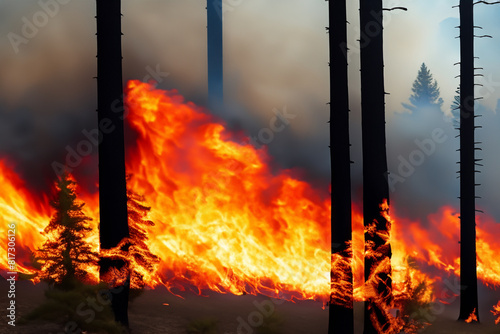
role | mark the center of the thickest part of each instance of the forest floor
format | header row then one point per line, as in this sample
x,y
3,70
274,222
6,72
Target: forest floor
x,y
158,311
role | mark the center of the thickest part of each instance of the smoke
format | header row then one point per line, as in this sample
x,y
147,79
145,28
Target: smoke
x,y
422,161
276,57
48,96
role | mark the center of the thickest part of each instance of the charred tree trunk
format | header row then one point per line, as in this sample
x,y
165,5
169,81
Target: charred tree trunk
x,y
112,181
215,53
341,318
468,274
375,184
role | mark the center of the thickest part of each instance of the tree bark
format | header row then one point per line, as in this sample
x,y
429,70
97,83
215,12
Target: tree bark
x,y
215,53
468,274
112,181
341,318
375,184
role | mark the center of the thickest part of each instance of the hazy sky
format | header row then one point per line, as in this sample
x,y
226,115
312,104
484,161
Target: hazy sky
x,y
276,55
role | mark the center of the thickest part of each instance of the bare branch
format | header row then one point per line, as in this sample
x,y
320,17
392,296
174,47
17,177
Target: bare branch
x,y
486,2
394,8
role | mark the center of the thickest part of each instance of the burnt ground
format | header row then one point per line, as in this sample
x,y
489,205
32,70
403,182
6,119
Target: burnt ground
x,y
149,314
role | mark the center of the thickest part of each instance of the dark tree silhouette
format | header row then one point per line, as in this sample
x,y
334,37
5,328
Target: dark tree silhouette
x,y
341,319
215,53
425,91
66,256
468,273
112,183
375,185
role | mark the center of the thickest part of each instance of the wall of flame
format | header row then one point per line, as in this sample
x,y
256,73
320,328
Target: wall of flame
x,y
225,222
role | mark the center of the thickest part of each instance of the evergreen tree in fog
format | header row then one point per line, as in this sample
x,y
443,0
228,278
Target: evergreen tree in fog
x,y
425,91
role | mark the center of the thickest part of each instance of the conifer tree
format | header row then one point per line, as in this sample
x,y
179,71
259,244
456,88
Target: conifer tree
x,y
144,260
66,255
134,251
425,91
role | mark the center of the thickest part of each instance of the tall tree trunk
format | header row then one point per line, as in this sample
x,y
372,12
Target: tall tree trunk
x,y
341,318
112,181
215,53
468,274
375,185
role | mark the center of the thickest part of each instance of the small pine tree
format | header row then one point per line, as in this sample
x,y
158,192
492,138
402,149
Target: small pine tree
x,y
415,301
425,91
134,250
66,256
145,260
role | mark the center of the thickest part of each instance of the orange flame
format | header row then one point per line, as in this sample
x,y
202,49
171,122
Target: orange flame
x,y
225,222
29,215
496,312
435,242
341,286
472,317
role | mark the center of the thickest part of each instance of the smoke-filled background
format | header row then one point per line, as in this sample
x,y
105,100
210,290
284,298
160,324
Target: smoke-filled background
x,y
276,60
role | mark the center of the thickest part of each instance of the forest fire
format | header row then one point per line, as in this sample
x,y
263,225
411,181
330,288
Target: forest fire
x,y
227,223
223,221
